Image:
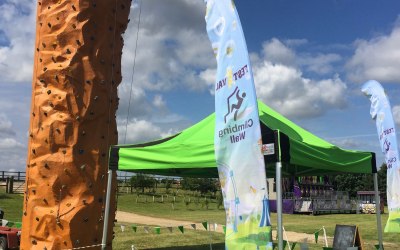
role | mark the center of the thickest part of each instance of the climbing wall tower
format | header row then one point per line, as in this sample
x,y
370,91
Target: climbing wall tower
x,y
77,69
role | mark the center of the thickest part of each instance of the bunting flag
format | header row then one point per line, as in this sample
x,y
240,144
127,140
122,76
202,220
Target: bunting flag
x,y
293,245
238,144
224,228
284,244
381,112
205,225
169,229
122,228
181,229
157,230
316,234
146,229
134,228
193,226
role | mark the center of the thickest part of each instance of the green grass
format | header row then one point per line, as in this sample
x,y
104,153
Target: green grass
x,y
194,211
292,222
189,240
199,240
11,204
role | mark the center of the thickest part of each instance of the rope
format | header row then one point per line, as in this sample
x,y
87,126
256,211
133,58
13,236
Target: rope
x,y
133,73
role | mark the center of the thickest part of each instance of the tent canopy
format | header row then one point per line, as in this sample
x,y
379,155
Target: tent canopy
x,y
191,152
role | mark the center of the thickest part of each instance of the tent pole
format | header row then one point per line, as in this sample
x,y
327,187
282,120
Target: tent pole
x,y
279,230
107,210
378,211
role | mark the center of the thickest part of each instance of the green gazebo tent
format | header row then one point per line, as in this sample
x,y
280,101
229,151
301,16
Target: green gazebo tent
x,y
191,152
296,152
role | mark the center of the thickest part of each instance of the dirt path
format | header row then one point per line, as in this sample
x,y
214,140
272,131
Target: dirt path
x,y
147,220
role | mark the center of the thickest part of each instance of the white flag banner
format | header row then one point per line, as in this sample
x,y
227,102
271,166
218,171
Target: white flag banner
x,y
381,112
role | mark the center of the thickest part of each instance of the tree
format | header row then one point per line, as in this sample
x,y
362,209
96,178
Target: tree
x,y
382,181
353,183
142,181
203,185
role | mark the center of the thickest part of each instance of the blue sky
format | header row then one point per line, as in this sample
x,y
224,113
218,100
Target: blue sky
x,y
309,60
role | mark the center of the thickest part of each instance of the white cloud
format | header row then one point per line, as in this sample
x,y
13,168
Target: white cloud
x,y
9,143
276,52
17,21
142,131
171,53
285,89
321,63
6,128
396,114
377,58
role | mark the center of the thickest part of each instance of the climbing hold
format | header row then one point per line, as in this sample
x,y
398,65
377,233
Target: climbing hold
x,y
33,191
46,166
37,218
68,204
40,60
64,151
77,241
53,59
84,202
66,170
68,51
31,135
96,97
44,200
63,187
49,24
49,92
86,219
44,45
51,104
81,151
74,26
44,69
87,81
25,213
83,167
77,117
33,151
58,130
78,42
83,132
73,7
45,113
34,242
41,80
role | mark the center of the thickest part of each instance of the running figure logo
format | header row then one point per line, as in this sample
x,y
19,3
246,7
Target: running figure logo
x,y
234,107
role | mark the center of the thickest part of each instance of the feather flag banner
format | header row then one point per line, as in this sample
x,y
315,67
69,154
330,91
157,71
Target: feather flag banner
x,y
381,112
238,144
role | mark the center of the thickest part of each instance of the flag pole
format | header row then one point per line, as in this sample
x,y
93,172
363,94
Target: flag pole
x,y
107,210
279,204
378,211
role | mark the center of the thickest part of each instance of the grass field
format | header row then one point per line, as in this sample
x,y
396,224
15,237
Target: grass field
x,y
197,211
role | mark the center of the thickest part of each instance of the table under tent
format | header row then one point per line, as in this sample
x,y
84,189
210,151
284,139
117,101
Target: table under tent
x,y
297,152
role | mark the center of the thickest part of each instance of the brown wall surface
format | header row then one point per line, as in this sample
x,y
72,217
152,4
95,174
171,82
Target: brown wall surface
x,y
77,70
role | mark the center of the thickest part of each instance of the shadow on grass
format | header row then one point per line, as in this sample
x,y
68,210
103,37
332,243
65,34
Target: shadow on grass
x,y
4,196
217,246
